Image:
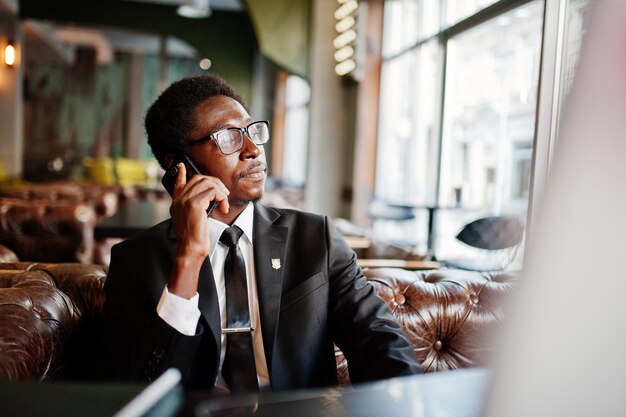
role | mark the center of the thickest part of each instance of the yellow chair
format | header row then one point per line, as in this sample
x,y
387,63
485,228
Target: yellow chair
x,y
99,170
131,171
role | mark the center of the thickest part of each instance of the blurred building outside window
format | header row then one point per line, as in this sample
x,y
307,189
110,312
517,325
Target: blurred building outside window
x,y
458,112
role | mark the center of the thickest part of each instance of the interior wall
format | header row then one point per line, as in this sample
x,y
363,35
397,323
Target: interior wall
x,y
366,136
133,129
87,110
11,110
92,110
332,120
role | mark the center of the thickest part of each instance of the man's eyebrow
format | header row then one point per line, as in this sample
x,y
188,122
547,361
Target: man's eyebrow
x,y
217,128
222,126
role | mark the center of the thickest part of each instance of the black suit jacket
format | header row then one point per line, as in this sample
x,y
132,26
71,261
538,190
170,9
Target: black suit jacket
x,y
318,296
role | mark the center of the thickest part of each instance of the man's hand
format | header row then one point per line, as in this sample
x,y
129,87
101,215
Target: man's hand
x,y
190,200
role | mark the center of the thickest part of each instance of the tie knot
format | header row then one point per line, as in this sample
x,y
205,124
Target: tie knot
x,y
231,236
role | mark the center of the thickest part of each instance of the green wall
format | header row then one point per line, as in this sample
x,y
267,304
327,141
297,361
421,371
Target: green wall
x,y
227,38
81,110
78,111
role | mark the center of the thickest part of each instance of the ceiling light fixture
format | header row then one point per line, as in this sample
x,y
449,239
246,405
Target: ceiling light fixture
x,y
194,9
346,42
205,63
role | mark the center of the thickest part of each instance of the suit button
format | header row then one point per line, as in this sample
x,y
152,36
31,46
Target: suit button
x,y
158,353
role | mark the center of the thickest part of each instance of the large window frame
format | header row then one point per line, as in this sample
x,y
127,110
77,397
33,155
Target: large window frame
x,y
431,147
563,26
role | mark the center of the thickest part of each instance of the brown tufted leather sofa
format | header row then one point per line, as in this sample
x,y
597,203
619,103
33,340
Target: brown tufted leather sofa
x,y
450,316
50,317
48,231
50,320
7,255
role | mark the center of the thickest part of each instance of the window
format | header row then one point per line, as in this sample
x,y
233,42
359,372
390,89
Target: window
x,y
577,19
457,10
297,96
490,101
411,21
457,118
408,145
522,153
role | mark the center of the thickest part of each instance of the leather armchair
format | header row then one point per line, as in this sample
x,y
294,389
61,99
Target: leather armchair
x,y
103,199
48,231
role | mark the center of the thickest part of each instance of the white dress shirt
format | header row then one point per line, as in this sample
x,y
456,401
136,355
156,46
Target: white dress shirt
x,y
183,314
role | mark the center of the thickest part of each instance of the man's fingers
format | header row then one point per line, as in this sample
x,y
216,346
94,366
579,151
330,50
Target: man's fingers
x,y
181,175
222,200
216,195
224,206
205,182
200,191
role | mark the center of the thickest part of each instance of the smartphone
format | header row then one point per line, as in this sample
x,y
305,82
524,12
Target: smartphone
x,y
169,178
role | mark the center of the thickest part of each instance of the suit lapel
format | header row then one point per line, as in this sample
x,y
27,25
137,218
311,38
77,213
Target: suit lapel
x,y
207,292
269,259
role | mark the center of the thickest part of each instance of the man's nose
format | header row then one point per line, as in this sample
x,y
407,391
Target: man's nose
x,y
249,149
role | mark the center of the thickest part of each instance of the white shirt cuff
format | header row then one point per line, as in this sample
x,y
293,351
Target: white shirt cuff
x,y
180,313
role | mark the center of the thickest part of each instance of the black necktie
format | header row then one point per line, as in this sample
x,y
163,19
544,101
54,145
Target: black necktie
x,y
239,369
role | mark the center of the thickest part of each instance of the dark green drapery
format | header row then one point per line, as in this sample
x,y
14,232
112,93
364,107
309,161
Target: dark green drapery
x,y
283,32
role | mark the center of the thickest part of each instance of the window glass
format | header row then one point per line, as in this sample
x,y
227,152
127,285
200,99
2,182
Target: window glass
x,y
296,129
408,21
408,140
489,120
578,14
475,159
408,116
457,10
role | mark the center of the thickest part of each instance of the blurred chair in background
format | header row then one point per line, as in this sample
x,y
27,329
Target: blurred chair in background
x,y
382,210
48,231
496,240
99,170
131,171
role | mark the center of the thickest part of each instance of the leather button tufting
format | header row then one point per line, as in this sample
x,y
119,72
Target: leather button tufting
x,y
474,299
400,299
438,346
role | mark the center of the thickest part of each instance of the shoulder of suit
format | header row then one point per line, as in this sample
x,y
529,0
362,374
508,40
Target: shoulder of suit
x,y
149,236
292,214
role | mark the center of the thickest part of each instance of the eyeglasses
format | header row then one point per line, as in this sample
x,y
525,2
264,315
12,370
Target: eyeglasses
x,y
230,140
